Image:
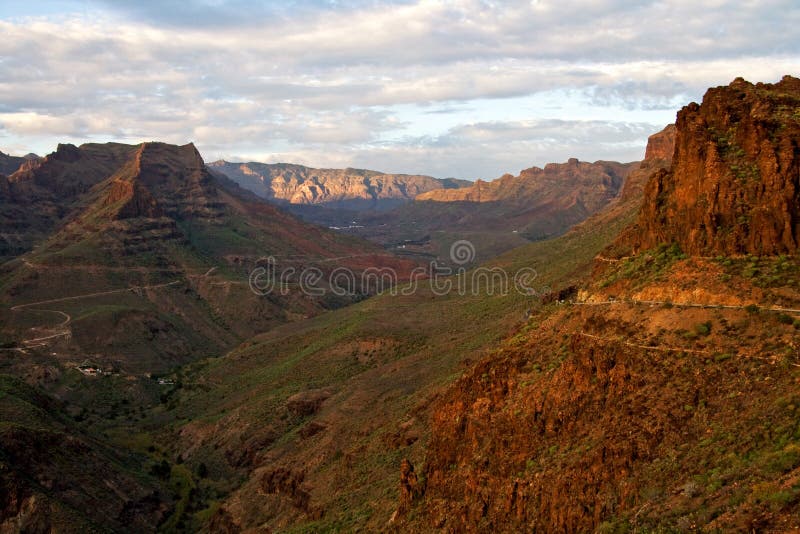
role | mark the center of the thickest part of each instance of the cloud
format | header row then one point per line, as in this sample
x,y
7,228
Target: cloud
x,y
373,82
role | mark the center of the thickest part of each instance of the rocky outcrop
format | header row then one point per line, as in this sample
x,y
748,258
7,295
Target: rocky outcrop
x,y
133,199
307,402
343,188
410,488
661,145
734,184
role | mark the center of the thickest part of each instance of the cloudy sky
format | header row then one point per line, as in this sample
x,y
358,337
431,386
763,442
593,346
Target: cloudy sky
x,y
463,88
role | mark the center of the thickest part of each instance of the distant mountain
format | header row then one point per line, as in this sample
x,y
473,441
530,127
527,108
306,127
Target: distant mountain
x,y
10,164
355,189
501,214
538,203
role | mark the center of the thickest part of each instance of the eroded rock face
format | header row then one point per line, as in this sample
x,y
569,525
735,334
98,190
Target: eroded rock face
x,y
661,145
409,486
134,200
733,184
347,188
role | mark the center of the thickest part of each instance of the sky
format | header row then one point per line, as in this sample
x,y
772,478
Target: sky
x,y
463,88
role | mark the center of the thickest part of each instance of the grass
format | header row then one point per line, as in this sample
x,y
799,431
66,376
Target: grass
x,y
647,266
382,359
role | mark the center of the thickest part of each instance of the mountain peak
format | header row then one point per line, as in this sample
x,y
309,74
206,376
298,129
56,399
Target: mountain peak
x,y
734,184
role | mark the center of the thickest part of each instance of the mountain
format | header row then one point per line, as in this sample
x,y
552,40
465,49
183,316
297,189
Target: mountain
x,y
10,164
539,202
735,185
419,216
147,256
129,261
659,393
315,417
499,215
354,189
643,378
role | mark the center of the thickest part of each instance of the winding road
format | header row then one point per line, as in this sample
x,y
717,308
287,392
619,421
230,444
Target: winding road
x,y
63,329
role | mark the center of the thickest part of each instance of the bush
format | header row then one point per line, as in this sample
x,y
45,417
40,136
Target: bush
x,y
703,329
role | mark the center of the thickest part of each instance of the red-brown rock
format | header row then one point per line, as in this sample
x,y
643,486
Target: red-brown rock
x,y
733,187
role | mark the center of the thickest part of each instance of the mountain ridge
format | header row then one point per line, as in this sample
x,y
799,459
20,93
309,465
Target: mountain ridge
x,y
360,189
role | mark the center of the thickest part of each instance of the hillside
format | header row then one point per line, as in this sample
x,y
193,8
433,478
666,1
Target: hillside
x,y
139,256
55,477
315,417
11,164
349,189
661,394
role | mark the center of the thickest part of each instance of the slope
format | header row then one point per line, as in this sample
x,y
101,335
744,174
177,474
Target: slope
x,y
314,418
148,257
663,396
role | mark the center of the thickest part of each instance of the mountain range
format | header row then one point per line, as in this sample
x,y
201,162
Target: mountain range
x,y
643,379
352,189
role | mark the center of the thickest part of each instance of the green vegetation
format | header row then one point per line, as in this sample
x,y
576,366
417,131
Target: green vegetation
x,y
647,266
741,166
380,359
764,272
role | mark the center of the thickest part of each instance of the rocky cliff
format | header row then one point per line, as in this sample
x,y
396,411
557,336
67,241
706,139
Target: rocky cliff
x,y
734,184
661,145
342,188
662,406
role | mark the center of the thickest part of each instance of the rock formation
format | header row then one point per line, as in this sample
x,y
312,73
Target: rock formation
x,y
734,184
591,184
342,188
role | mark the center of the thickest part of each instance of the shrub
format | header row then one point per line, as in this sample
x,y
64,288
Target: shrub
x,y
703,329
721,357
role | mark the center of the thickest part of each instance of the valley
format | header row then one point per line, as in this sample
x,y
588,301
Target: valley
x,y
618,351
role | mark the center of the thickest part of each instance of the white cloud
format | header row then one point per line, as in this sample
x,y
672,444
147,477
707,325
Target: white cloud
x,y
353,84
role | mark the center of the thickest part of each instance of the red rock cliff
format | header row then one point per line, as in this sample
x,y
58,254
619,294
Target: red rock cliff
x,y
733,184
